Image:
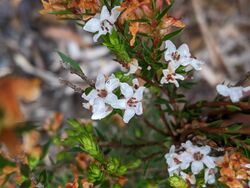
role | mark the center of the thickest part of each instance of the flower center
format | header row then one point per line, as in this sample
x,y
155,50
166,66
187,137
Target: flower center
x,y
176,56
198,156
102,93
132,102
106,25
177,161
170,77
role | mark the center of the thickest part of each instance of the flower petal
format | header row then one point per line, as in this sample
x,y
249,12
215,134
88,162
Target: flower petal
x,y
235,94
169,45
112,84
222,90
100,110
196,167
208,161
127,90
100,82
139,109
105,15
128,114
93,25
139,93
111,99
92,95
184,50
120,104
114,14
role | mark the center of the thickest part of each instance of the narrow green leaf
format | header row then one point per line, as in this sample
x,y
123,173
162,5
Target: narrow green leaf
x,y
164,12
234,127
72,63
169,36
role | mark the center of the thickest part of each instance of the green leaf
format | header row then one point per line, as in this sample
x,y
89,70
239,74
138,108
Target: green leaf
x,y
164,12
234,127
72,63
26,184
169,36
25,170
233,108
4,162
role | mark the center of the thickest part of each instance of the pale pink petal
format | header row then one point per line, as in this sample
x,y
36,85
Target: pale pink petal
x,y
93,25
128,114
126,90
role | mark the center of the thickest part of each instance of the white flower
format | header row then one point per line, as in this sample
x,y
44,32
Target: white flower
x,y
190,178
209,176
176,56
100,110
133,66
235,93
176,162
132,103
192,64
169,76
101,96
181,56
102,23
198,156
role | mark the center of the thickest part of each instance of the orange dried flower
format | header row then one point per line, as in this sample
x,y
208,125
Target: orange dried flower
x,y
233,171
142,9
76,8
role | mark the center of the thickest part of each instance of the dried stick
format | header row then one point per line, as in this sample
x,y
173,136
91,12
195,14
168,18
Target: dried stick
x,y
76,88
212,47
91,83
170,131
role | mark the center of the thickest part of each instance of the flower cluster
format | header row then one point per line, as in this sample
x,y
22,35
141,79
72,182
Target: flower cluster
x,y
176,58
102,99
191,160
234,170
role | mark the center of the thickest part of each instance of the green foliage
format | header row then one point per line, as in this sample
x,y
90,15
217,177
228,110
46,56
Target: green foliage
x,y
82,134
72,64
95,174
177,182
117,45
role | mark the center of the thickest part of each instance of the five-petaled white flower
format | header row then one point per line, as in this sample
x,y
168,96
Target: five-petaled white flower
x,y
175,162
198,156
169,76
133,66
235,93
102,23
181,56
132,103
101,96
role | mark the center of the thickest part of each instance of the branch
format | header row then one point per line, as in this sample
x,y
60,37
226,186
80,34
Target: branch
x,y
162,115
76,88
154,127
91,83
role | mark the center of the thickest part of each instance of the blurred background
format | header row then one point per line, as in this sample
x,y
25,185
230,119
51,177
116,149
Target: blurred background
x,y
218,32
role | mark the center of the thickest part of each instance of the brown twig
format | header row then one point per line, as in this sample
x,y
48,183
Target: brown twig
x,y
76,88
151,156
163,118
150,125
91,83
